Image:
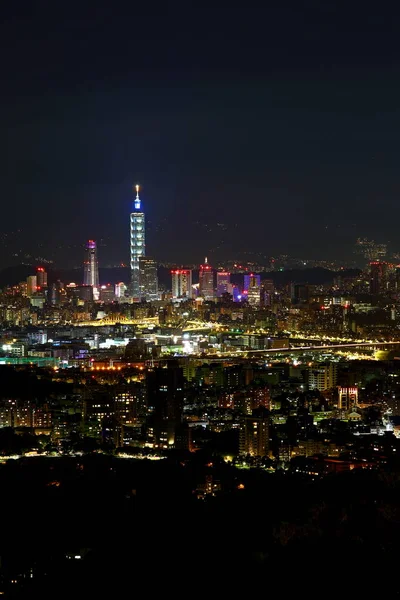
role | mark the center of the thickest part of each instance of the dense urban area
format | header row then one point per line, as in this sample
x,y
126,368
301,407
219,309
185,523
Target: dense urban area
x,y
167,406
199,300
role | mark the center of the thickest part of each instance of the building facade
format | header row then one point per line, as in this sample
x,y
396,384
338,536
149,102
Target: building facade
x,y
31,285
165,402
347,398
148,279
181,283
322,378
247,279
120,289
224,285
41,276
206,281
379,276
254,292
254,434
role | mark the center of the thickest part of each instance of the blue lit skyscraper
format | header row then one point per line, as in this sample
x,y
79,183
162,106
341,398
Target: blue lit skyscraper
x,y
223,283
137,241
248,279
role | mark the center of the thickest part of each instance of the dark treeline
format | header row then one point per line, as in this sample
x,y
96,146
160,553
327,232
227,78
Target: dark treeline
x,y
139,523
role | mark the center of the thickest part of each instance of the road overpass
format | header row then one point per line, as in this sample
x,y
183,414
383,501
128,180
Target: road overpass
x,y
111,320
319,347
249,353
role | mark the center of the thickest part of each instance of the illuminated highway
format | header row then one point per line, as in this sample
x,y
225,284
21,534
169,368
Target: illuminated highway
x,y
193,326
317,348
118,320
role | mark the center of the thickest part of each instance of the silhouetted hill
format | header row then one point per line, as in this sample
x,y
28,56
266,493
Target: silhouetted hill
x,y
14,275
112,276
317,276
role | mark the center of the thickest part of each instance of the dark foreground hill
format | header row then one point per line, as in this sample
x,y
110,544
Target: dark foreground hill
x,y
137,524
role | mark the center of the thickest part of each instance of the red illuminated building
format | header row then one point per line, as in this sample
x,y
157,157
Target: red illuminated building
x,y
206,281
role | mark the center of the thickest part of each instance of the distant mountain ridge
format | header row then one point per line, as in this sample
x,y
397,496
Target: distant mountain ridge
x,y
315,276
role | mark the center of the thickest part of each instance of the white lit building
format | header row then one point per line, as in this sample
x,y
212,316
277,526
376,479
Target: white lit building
x,y
181,283
137,243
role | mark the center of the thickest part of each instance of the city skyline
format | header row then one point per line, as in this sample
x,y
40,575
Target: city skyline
x,y
199,297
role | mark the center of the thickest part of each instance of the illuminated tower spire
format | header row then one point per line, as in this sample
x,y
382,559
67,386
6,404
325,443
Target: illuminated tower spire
x,y
137,242
137,199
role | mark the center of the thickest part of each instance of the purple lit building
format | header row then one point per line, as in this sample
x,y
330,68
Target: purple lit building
x,y
91,265
248,279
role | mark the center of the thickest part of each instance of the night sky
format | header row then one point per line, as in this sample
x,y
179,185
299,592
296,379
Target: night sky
x,y
250,130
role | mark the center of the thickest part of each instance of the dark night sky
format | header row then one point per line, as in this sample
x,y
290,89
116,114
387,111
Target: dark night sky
x,y
282,123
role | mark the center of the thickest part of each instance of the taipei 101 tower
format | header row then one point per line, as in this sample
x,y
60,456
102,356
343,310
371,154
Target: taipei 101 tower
x,y
137,243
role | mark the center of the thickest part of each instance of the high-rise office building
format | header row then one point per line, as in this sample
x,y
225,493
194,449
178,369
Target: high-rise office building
x,y
347,398
323,378
254,433
107,293
268,286
137,243
120,289
181,283
91,265
80,292
148,279
129,404
378,282
165,401
41,277
224,285
57,293
247,278
267,292
206,281
253,292
299,293
31,285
